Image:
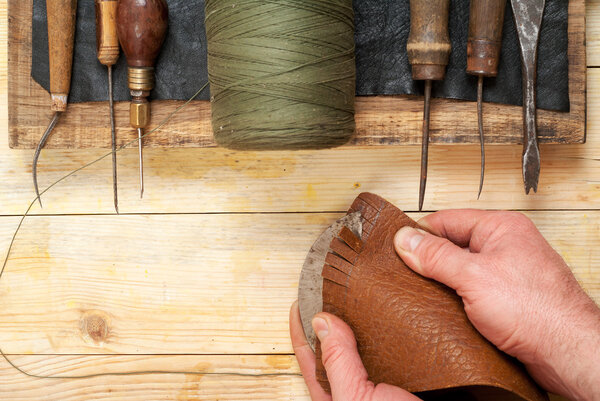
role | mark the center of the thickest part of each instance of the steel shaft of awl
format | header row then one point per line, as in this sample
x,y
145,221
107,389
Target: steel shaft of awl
x,y
528,19
484,44
61,16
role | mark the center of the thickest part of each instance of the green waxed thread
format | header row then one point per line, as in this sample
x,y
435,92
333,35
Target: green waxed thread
x,y
282,73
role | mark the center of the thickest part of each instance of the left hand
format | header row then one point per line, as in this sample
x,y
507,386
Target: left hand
x,y
345,371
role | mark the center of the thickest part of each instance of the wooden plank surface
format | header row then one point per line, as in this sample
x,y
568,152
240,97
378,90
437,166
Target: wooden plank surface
x,y
18,387
156,284
196,181
380,120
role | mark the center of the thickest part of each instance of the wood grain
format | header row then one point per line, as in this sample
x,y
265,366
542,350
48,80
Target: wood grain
x,y
154,387
380,120
209,284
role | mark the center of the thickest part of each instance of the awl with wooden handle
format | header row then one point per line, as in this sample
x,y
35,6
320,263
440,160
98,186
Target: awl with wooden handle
x,y
141,27
61,16
108,50
484,44
428,52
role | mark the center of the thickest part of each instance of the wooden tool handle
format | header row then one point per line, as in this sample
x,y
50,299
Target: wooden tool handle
x,y
428,42
486,20
61,16
107,41
142,27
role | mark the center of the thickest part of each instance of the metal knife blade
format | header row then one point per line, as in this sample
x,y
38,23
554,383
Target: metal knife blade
x,y
310,288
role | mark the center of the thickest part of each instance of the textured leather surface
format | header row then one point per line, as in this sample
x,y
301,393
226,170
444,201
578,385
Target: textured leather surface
x,y
411,331
382,67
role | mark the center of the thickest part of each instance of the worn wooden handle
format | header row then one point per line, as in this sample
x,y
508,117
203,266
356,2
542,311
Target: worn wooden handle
x,y
107,41
429,42
486,20
61,16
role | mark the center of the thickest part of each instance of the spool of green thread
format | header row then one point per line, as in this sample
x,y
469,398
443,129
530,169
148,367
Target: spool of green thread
x,y
282,73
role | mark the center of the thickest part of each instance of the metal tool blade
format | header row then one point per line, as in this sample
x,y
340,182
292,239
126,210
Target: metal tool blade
x,y
528,19
310,288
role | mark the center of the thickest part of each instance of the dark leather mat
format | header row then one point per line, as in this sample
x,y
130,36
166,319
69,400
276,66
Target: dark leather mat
x,y
382,28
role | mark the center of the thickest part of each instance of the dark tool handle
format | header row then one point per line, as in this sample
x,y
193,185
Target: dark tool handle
x,y
486,20
428,42
61,16
107,41
142,26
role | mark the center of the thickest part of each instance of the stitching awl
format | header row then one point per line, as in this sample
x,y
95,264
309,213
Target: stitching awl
x,y
61,16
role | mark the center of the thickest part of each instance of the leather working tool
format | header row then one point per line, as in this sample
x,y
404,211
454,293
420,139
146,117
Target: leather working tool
x,y
61,16
141,27
108,51
411,332
528,19
428,50
484,43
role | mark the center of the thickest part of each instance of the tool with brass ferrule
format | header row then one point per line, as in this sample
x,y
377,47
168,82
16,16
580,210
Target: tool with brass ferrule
x,y
484,44
141,27
528,19
428,52
61,16
108,51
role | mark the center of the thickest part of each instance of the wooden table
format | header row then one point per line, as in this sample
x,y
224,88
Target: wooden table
x,y
199,275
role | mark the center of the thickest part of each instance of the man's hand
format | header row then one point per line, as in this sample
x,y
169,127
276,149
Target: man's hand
x,y
517,291
345,371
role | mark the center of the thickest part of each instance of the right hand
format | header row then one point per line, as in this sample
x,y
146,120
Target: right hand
x,y
517,291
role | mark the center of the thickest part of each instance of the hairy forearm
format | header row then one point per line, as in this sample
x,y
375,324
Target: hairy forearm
x,y
570,364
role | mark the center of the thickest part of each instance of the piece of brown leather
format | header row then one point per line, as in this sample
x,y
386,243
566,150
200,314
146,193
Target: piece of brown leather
x,y
412,332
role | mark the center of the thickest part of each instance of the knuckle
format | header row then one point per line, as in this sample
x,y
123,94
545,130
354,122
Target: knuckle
x,y
516,220
436,253
332,354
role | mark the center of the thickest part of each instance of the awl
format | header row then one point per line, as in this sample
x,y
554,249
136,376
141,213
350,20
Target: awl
x,y
61,16
428,52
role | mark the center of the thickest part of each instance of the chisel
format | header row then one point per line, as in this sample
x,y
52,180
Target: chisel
x,y
107,43
486,19
61,16
428,50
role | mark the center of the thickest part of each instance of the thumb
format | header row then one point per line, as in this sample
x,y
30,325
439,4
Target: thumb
x,y
346,373
434,257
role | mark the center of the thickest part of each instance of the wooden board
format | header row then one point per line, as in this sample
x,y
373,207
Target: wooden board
x,y
388,120
179,284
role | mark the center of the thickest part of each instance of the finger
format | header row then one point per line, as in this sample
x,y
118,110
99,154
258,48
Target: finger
x,y
305,356
346,373
456,225
435,257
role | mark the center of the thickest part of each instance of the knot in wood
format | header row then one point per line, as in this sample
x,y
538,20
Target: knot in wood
x,y
95,327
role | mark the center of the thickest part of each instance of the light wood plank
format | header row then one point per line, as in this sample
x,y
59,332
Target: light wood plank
x,y
380,120
18,387
210,284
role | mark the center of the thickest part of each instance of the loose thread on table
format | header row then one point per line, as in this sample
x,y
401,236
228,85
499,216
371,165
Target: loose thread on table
x,y
132,373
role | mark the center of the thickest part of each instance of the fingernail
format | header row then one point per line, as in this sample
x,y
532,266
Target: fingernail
x,y
408,238
320,327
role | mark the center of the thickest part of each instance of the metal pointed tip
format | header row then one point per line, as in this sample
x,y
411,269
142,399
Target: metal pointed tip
x,y
117,208
481,136
38,150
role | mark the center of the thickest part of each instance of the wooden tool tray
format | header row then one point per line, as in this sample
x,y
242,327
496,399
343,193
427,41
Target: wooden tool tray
x,y
380,120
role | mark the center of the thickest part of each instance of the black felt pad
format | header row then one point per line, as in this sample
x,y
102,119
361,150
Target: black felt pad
x,y
382,28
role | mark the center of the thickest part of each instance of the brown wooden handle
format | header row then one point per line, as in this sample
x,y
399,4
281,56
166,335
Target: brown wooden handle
x,y
107,41
61,16
142,27
486,20
428,42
